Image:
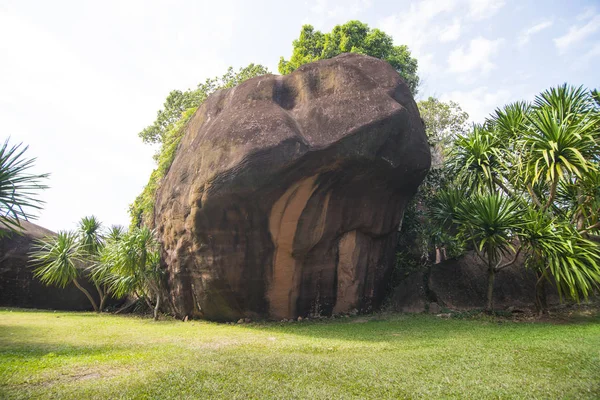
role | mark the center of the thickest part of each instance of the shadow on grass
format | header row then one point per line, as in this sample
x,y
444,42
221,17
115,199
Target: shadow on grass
x,y
26,344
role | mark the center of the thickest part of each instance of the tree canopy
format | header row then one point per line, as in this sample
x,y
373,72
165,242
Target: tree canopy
x,y
351,37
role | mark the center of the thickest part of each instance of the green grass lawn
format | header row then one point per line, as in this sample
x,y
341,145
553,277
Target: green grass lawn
x,y
84,355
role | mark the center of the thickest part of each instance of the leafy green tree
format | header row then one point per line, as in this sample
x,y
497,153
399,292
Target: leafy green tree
x,y
444,122
57,260
351,37
19,189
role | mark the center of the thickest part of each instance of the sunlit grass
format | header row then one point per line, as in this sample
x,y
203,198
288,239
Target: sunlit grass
x,y
84,355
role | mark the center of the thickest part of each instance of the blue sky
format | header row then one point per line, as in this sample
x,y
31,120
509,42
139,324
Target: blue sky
x,y
79,79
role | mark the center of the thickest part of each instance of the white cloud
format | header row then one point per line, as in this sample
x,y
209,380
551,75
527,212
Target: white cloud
x,y
527,33
479,102
577,33
336,10
477,57
589,12
586,59
451,33
427,22
416,28
482,9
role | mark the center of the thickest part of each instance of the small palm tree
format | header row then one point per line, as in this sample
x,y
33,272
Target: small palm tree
x,y
475,159
91,242
558,252
561,142
58,262
18,187
490,222
134,264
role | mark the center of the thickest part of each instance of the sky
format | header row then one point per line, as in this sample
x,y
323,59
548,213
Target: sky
x,y
79,79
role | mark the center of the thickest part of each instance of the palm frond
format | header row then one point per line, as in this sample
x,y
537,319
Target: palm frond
x,y
19,189
56,259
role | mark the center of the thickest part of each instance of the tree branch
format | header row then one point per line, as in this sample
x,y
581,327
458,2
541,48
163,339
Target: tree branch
x,y
508,264
552,193
591,228
503,187
534,197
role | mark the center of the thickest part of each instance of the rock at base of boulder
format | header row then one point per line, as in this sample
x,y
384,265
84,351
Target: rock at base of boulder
x,y
409,295
461,284
18,286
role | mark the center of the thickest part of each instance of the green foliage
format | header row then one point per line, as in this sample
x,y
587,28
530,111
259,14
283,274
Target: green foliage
x,y
57,259
543,157
490,222
420,234
352,37
179,102
443,123
133,263
561,141
90,236
19,189
474,160
168,130
561,253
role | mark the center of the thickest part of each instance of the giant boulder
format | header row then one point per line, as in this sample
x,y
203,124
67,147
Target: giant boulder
x,y
286,192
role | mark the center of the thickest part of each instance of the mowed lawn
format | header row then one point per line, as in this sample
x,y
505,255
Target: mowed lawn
x,y
84,355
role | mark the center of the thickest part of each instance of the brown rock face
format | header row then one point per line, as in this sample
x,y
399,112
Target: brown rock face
x,y
286,192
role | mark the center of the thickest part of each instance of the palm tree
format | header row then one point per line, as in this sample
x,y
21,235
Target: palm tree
x,y
91,242
475,159
561,141
490,222
18,187
134,264
57,260
557,251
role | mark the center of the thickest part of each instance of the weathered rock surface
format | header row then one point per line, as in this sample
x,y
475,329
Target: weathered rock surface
x,y
461,284
286,192
19,288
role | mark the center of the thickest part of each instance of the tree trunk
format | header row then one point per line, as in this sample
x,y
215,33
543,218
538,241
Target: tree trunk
x,y
490,291
87,294
148,302
541,302
102,295
438,255
156,307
